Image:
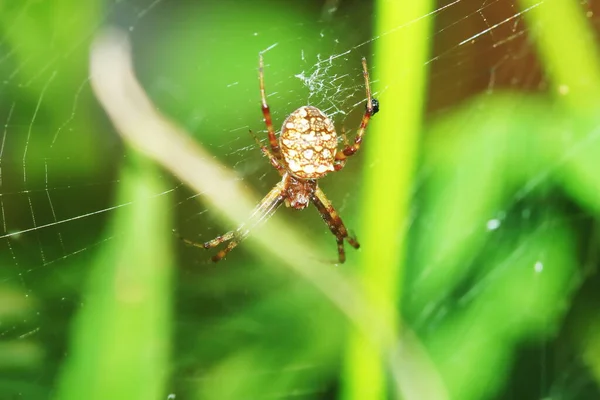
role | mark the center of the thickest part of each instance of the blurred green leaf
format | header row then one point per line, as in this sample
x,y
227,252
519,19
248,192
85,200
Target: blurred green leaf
x,y
120,338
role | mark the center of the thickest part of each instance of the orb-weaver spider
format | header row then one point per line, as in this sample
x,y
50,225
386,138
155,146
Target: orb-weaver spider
x,y
306,151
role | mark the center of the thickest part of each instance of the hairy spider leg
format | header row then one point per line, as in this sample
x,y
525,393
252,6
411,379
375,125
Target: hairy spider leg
x,y
274,161
214,243
211,243
265,209
334,222
266,111
371,108
344,136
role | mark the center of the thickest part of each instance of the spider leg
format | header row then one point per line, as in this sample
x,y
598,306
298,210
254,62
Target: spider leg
x,y
371,108
340,247
339,164
211,243
214,243
266,111
274,161
334,222
265,209
344,136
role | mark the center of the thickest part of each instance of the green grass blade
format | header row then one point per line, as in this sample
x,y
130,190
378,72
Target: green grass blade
x,y
568,51
401,51
120,338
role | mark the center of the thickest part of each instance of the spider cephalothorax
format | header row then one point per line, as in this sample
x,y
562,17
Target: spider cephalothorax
x,y
306,151
298,192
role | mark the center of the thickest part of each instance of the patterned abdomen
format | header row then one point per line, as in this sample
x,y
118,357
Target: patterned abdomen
x,y
308,143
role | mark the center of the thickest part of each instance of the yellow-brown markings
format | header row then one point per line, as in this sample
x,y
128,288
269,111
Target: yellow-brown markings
x,y
306,133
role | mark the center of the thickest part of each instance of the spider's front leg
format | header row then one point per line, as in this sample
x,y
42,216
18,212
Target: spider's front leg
x,y
334,222
274,161
371,108
266,111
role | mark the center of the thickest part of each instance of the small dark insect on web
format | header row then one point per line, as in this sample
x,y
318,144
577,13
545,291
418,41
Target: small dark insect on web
x,y
306,151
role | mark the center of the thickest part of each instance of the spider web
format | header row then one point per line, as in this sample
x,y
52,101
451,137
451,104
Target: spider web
x,y
60,159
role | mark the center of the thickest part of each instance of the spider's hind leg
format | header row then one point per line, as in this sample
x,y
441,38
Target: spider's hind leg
x,y
261,213
214,243
352,241
222,253
211,243
334,222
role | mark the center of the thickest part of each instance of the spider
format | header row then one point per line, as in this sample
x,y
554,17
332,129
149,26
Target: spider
x,y
306,151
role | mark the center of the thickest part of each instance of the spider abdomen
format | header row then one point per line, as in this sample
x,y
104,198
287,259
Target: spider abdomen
x,y
308,143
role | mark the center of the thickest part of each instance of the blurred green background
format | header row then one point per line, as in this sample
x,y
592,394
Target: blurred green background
x,y
476,198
